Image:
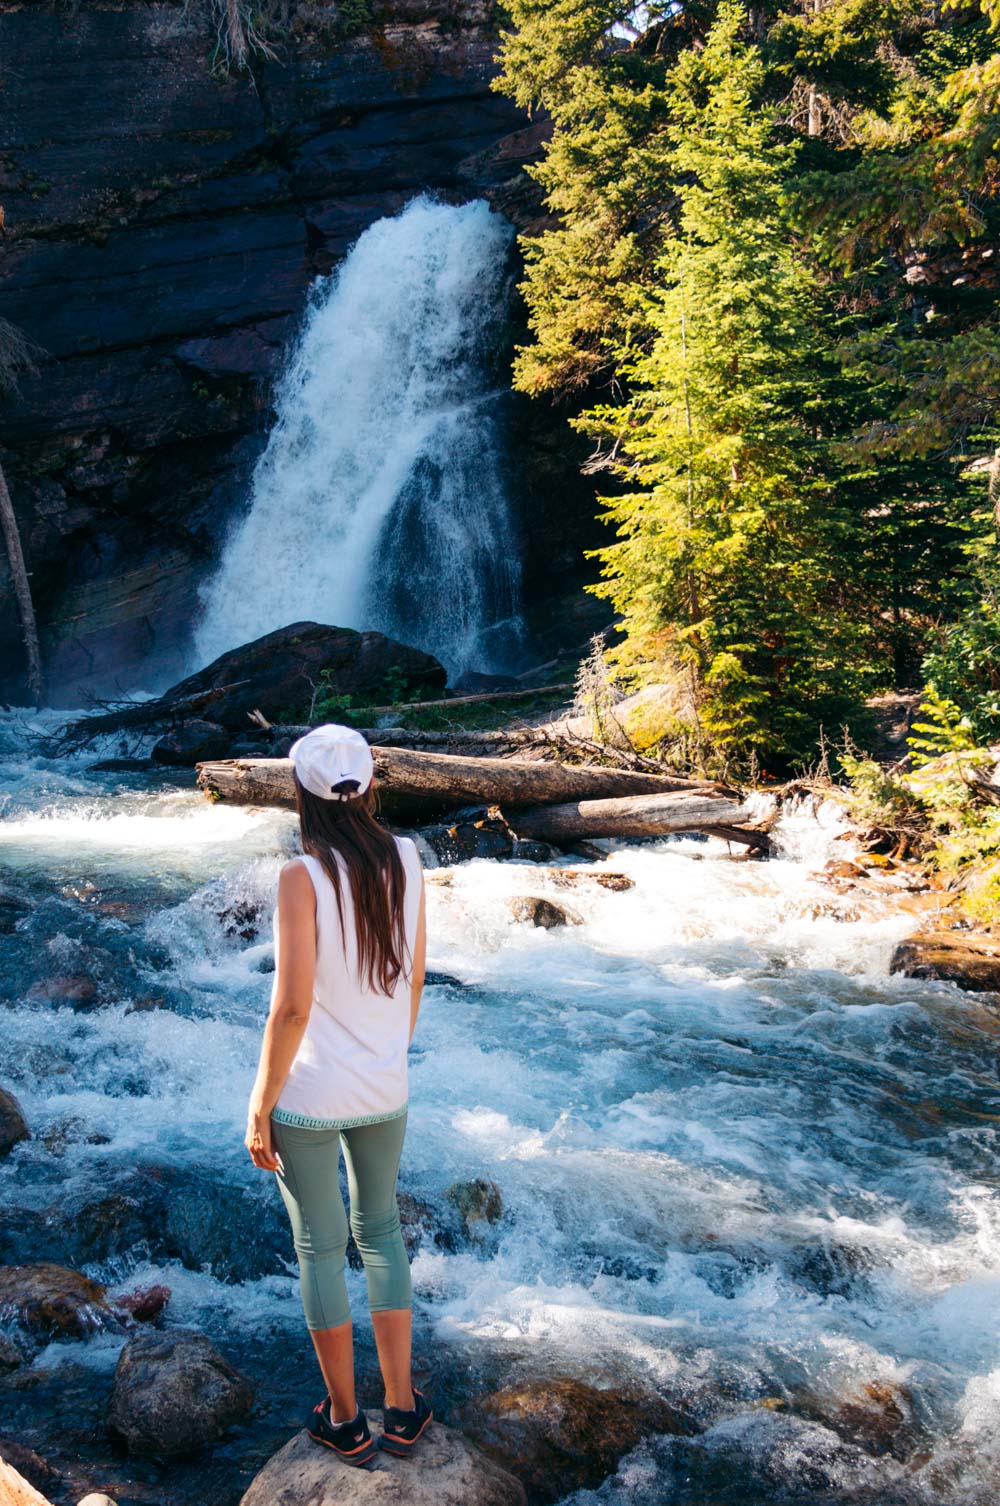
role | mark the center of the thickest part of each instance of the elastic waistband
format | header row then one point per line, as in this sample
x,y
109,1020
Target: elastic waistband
x,y
305,1121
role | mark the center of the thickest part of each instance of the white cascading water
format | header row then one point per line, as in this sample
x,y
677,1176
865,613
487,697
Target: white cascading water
x,y
740,1163
379,501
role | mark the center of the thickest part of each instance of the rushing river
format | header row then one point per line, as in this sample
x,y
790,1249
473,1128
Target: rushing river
x,y
740,1164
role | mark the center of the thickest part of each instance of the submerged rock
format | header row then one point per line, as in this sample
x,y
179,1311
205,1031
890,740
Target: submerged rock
x,y
191,741
144,1305
535,910
279,673
447,1471
75,989
971,961
53,1302
562,1435
173,1393
12,910
476,1202
13,1125
11,1358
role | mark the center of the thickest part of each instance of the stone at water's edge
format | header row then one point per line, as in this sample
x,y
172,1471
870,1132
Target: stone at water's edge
x,y
13,1125
190,741
52,1301
285,669
971,961
447,1470
562,1435
174,1393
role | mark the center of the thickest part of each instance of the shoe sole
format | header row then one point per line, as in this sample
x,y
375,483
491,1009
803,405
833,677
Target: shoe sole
x,y
401,1446
364,1453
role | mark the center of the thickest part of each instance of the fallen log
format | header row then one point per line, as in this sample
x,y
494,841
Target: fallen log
x,y
416,781
137,715
637,816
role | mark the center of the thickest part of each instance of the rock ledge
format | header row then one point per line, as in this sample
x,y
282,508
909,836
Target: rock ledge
x,y
448,1471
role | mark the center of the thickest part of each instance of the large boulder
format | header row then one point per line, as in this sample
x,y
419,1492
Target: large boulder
x,y
190,742
563,1435
173,1393
971,961
13,1125
284,670
53,1302
448,1470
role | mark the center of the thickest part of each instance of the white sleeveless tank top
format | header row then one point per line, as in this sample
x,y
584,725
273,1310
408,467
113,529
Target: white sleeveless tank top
x,y
350,1068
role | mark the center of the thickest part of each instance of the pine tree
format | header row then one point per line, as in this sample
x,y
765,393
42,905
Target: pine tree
x,y
726,564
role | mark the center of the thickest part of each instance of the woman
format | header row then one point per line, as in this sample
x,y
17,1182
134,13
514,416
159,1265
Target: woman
x,y
349,969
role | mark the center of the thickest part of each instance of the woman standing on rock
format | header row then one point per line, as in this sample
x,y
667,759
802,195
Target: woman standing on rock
x,y
349,969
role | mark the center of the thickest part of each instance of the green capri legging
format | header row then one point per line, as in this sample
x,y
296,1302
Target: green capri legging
x,y
310,1187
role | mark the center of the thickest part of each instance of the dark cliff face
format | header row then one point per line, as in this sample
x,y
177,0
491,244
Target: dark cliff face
x,y
162,228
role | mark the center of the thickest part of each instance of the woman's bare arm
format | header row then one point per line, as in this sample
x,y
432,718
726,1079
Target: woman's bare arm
x,y
291,1001
419,958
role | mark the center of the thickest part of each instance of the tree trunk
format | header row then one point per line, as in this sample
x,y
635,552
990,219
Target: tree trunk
x,y
418,782
634,816
22,592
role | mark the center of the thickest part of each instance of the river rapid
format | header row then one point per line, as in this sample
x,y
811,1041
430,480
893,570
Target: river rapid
x,y
740,1165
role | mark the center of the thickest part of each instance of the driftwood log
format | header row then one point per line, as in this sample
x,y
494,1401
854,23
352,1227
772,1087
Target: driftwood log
x,y
407,780
139,716
637,816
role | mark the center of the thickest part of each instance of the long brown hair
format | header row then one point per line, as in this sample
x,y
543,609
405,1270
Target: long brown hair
x,y
348,829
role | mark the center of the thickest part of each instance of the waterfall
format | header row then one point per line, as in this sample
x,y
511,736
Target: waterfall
x,y
379,501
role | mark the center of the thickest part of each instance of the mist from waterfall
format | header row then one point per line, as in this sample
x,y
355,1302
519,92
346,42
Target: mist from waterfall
x,y
379,501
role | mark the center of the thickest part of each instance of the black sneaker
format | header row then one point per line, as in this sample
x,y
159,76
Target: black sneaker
x,y
351,1440
400,1430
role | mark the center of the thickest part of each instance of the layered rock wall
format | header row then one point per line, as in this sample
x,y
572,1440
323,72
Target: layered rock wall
x,y
163,223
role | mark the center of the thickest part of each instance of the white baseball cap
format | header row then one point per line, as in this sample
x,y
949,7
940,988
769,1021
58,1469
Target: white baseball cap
x,y
329,755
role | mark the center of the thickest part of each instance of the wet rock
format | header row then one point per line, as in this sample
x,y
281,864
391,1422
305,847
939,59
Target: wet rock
x,y
173,1393
533,909
448,1471
249,745
53,1302
190,741
147,1003
477,833
880,1417
242,919
842,869
562,1435
476,1202
279,673
74,989
144,1305
774,1457
63,1133
13,1125
178,1213
11,1358
972,961
527,850
31,1466
576,878
12,910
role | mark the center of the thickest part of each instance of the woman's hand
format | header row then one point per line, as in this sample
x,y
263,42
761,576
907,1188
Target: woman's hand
x,y
259,1141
